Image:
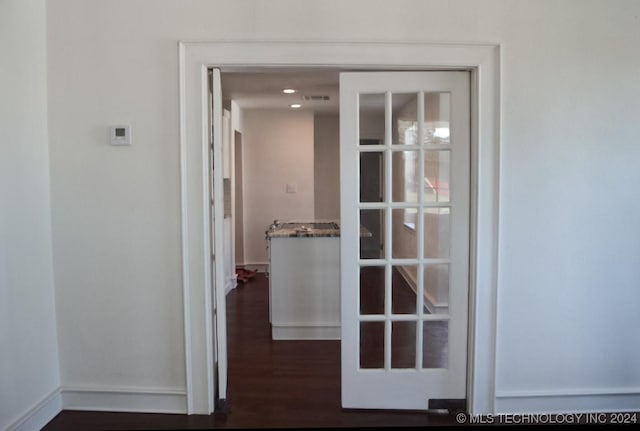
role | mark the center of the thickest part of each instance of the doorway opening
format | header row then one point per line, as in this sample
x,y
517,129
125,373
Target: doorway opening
x,y
286,153
199,304
285,176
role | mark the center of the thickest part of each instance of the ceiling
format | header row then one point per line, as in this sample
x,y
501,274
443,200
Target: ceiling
x,y
263,89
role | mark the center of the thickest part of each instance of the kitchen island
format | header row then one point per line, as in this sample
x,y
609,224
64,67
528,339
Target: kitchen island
x,y
304,280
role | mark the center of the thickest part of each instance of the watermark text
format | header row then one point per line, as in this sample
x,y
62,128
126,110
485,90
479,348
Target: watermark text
x,y
549,419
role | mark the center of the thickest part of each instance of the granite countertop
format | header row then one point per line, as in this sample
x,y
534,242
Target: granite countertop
x,y
307,229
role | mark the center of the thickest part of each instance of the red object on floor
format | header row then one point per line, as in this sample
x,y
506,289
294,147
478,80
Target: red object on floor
x,y
244,275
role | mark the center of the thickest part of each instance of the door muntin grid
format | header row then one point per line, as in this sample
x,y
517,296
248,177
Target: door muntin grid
x,y
412,225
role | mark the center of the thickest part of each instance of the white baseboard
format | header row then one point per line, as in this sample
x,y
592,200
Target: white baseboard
x,y
125,400
40,414
570,402
231,284
308,332
260,266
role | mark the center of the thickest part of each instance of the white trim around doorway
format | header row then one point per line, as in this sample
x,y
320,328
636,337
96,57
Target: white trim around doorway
x,y
483,60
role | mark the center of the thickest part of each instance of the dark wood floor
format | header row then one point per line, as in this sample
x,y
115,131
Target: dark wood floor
x,y
272,384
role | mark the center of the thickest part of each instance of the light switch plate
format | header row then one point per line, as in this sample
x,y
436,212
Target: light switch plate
x,y
292,188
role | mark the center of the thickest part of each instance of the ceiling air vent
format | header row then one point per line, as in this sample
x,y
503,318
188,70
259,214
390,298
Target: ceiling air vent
x,y
315,98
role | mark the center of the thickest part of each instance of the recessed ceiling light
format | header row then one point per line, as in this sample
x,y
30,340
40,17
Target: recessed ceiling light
x,y
288,91
295,105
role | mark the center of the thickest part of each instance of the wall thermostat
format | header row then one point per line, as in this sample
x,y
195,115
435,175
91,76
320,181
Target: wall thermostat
x,y
120,135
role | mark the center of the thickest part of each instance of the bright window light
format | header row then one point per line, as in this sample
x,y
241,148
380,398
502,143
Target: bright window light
x,y
441,132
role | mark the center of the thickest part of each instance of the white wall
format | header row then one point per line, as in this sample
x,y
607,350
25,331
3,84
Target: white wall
x,y
569,237
278,149
229,200
326,159
238,184
115,210
29,368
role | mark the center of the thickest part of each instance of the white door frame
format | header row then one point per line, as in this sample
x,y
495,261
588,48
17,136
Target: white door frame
x,y
482,60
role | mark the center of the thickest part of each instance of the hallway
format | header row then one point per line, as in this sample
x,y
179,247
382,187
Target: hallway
x,y
290,383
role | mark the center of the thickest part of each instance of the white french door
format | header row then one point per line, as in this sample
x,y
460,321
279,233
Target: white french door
x,y
404,302
216,174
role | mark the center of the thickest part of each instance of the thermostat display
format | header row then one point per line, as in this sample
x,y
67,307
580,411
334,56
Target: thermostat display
x,y
120,135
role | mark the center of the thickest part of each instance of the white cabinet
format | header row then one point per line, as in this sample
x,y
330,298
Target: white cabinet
x,y
305,288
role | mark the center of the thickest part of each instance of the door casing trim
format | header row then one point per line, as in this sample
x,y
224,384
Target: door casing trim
x,y
482,60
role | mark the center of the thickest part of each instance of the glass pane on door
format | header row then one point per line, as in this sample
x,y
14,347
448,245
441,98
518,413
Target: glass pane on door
x,y
405,118
435,344
371,176
372,289
403,344
437,116
437,232
437,176
372,344
404,235
436,287
403,289
372,233
371,119
405,171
